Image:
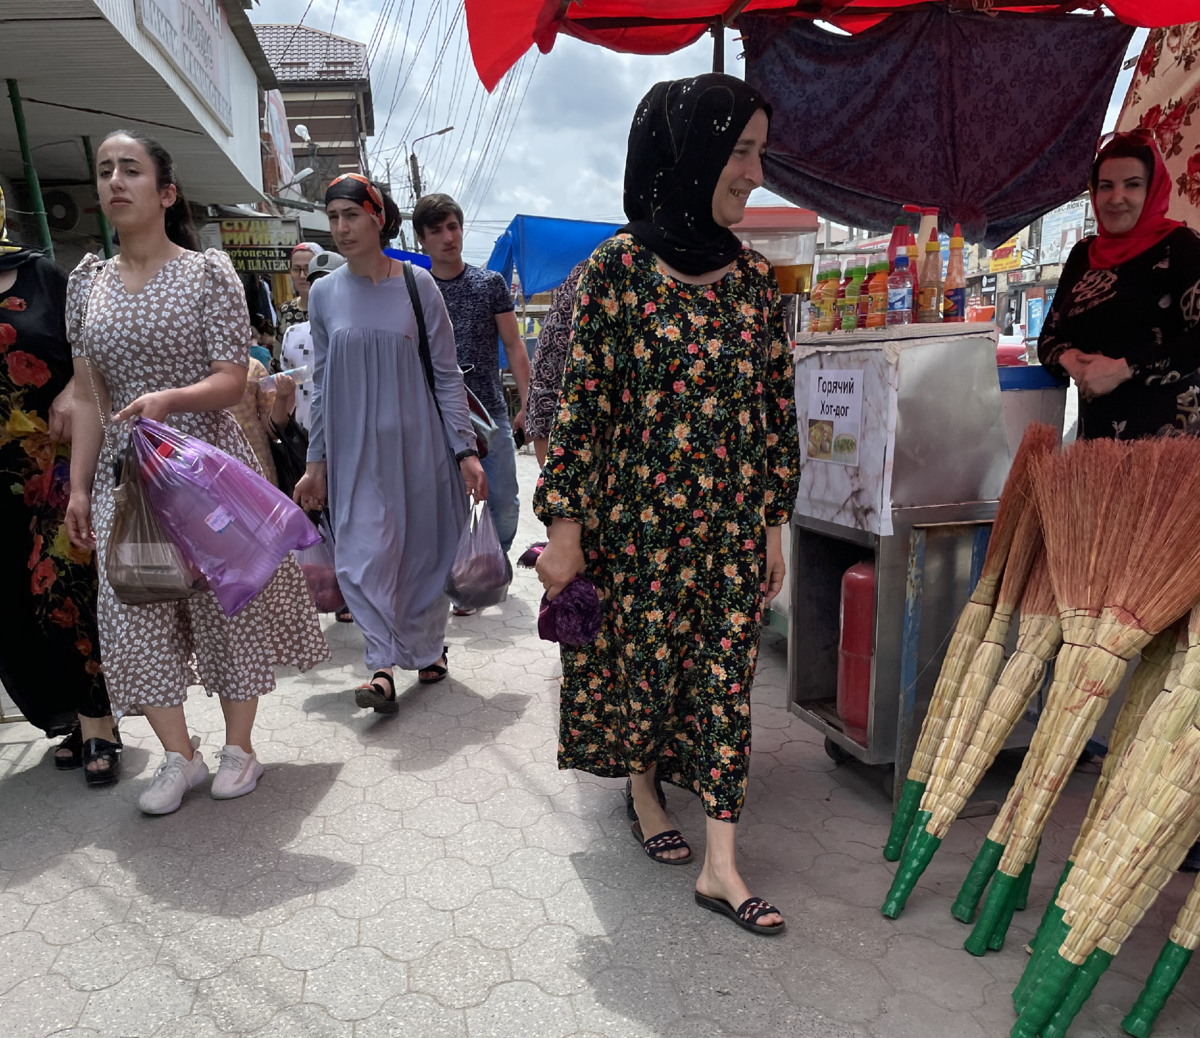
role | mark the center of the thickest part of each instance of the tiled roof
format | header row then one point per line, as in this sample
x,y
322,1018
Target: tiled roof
x,y
300,54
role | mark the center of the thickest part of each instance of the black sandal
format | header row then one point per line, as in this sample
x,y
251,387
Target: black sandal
x,y
630,813
97,750
370,694
344,616
435,669
746,915
656,846
74,743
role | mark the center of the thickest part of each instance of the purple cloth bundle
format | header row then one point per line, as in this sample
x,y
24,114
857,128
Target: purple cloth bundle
x,y
573,618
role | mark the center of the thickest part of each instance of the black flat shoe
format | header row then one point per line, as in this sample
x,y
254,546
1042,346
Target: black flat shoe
x,y
746,915
657,846
97,750
371,695
74,743
630,813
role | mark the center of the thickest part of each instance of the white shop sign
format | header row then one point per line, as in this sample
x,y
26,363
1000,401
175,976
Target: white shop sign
x,y
194,36
834,423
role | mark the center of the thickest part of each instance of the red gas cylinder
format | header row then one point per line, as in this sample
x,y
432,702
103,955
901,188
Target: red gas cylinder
x,y
855,641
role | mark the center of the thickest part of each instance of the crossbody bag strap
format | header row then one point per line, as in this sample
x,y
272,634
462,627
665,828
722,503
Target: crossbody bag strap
x,y
410,279
105,426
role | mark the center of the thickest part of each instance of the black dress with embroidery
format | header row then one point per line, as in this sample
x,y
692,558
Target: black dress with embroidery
x,y
1146,311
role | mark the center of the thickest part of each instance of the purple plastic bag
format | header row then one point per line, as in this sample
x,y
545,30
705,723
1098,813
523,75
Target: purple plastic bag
x,y
481,572
230,523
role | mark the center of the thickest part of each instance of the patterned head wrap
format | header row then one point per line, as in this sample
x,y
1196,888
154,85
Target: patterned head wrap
x,y
358,189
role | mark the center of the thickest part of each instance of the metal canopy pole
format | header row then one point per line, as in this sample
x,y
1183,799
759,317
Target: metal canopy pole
x,y
31,177
718,35
105,229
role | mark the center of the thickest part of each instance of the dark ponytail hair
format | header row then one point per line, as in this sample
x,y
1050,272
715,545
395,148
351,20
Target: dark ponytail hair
x,y
178,219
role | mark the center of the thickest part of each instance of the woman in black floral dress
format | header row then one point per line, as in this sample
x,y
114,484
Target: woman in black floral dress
x,y
672,465
49,649
1125,322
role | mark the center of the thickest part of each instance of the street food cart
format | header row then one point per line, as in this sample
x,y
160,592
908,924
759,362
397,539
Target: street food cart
x,y
904,451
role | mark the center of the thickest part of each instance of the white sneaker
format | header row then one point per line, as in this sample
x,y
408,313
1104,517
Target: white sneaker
x,y
237,774
174,777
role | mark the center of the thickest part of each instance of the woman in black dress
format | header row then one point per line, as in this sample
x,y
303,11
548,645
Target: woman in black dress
x,y
49,648
1125,322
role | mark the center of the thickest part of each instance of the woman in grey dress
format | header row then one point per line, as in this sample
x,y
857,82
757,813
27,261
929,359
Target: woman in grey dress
x,y
389,458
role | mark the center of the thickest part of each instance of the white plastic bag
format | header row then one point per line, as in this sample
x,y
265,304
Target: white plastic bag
x,y
481,572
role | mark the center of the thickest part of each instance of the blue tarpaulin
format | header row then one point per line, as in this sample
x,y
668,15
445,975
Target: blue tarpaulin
x,y
544,250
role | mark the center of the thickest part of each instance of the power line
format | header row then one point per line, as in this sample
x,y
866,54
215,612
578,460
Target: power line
x,y
295,31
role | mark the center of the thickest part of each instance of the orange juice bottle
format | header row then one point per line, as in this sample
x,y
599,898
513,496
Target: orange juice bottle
x,y
877,292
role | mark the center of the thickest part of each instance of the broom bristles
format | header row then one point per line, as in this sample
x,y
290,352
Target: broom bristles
x,y
1038,599
1160,578
1073,491
1039,440
1026,549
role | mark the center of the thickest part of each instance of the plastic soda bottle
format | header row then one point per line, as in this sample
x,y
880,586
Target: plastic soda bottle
x,y
864,293
954,297
300,374
929,304
829,294
900,293
849,305
877,294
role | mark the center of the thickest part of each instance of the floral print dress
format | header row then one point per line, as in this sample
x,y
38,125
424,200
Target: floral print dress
x,y
675,439
49,648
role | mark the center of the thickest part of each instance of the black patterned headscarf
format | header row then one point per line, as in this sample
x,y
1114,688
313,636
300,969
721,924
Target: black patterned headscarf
x,y
683,134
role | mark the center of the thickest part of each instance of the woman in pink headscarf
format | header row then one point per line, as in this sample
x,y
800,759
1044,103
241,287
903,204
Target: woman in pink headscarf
x,y
1125,323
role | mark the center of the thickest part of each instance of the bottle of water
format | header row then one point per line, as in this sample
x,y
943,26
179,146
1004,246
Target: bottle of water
x,y
300,374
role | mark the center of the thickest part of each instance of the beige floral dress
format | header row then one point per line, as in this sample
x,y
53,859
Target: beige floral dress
x,y
191,313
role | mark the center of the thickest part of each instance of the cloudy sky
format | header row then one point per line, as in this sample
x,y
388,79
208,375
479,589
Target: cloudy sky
x,y
549,141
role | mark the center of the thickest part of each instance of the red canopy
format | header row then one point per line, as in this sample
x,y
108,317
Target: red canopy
x,y
503,30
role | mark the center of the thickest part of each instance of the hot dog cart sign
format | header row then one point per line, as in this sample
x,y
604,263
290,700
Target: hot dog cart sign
x,y
835,416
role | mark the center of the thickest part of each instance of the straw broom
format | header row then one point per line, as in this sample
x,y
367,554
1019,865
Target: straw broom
x,y
1130,914
969,631
1075,493
1151,674
1148,560
1148,680
1172,961
965,712
1165,802
1137,762
1153,810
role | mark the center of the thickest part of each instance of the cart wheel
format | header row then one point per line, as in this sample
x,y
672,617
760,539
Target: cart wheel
x,y
889,782
836,753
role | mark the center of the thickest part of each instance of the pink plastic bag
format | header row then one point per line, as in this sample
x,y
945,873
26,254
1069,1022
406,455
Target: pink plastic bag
x,y
320,573
230,523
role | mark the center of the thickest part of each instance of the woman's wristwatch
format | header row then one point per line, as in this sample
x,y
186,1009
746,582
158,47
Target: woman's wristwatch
x,y
470,452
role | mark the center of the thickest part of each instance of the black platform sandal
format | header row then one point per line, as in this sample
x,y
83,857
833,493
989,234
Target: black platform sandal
x,y
630,813
370,694
436,669
746,915
73,743
656,846
101,750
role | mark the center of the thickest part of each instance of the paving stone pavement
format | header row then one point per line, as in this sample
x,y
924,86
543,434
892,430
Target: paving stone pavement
x,y
433,875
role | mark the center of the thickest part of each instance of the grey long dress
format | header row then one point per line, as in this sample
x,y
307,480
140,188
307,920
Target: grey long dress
x,y
396,496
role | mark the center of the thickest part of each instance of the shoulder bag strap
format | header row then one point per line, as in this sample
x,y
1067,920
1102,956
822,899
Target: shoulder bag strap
x,y
410,279
105,426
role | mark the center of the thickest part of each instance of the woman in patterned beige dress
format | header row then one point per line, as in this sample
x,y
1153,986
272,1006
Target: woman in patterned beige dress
x,y
162,331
